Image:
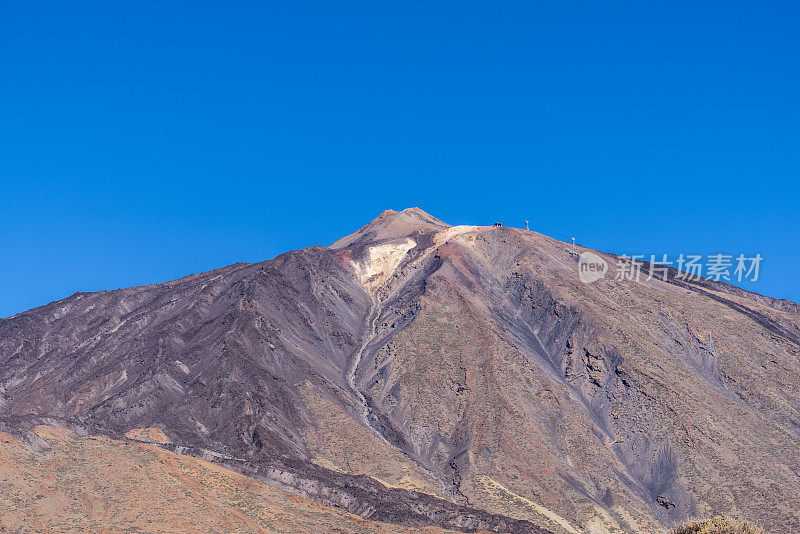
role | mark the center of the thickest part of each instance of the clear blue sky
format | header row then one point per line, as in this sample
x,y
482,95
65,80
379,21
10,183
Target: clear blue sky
x,y
143,141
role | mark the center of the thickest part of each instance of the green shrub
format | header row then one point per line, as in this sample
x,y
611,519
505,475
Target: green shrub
x,y
718,525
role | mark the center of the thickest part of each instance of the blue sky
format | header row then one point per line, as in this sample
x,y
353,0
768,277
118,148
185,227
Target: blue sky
x,y
145,141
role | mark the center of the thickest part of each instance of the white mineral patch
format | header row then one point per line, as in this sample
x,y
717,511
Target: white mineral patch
x,y
381,262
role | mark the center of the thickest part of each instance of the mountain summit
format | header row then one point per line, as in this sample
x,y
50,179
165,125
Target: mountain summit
x,y
392,224
425,374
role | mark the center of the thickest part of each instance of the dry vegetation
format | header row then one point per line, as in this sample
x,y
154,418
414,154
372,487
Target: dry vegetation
x,y
717,525
337,443
67,483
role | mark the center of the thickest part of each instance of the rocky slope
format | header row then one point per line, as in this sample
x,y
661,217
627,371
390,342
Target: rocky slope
x,y
424,374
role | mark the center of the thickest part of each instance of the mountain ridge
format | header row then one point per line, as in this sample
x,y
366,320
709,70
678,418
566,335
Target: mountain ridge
x,y
466,355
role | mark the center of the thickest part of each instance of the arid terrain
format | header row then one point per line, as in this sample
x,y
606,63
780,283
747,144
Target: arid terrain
x,y
61,482
412,375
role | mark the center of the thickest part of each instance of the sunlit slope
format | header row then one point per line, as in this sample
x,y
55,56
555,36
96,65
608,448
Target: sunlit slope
x,y
64,483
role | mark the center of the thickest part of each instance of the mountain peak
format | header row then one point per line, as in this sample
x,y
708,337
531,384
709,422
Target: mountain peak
x,y
393,224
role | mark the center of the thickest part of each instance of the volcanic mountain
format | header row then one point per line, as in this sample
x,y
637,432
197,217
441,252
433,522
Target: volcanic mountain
x,y
422,374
